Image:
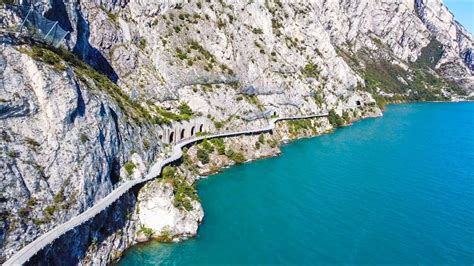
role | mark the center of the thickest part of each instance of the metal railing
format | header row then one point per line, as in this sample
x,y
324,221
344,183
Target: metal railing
x,y
35,25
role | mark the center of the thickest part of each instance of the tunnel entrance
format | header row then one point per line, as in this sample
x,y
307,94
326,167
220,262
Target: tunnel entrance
x,y
200,127
182,134
192,131
171,137
358,103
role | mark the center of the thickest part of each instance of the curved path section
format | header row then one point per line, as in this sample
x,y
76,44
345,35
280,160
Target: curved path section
x,y
24,254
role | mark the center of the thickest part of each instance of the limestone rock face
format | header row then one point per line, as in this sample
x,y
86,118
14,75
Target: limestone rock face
x,y
158,212
68,135
63,147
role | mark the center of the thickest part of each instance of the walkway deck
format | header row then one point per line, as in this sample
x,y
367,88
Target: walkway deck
x,y
24,254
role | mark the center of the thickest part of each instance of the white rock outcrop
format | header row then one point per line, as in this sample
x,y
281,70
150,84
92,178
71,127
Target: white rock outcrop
x,y
158,212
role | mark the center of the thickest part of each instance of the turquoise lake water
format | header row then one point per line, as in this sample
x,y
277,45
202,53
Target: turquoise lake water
x,y
397,189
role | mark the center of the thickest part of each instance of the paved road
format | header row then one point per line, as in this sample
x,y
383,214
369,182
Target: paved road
x,y
24,254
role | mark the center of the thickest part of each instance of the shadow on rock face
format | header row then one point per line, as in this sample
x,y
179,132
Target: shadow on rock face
x,y
59,13
89,54
92,238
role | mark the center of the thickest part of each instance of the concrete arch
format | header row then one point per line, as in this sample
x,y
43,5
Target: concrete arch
x,y
182,134
171,138
192,130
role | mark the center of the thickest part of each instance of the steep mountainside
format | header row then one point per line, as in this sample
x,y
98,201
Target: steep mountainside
x,y
77,120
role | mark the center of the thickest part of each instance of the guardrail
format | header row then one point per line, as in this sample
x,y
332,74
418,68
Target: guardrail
x,y
23,255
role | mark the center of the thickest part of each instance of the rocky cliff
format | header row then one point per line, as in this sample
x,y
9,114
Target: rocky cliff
x,y
77,120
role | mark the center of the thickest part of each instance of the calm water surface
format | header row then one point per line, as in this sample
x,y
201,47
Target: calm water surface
x,y
397,189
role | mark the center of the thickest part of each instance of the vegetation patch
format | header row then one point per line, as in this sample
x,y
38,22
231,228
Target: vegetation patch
x,y
253,99
184,109
219,145
165,235
237,157
334,119
430,55
165,116
31,142
60,58
148,232
142,43
311,70
130,167
295,126
420,83
184,193
203,155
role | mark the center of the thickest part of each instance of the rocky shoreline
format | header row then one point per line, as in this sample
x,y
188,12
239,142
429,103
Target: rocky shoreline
x,y
161,221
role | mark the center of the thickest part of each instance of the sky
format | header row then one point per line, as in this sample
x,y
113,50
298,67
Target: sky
x,y
463,11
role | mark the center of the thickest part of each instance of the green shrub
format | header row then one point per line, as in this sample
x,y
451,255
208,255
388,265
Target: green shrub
x,y
221,150
129,167
218,124
142,43
334,119
48,57
220,24
183,192
167,116
181,54
148,232
23,212
296,126
219,144
165,235
203,155
253,99
12,154
31,142
261,138
184,109
49,211
311,70
380,100
272,142
31,201
345,116
112,16
238,157
58,198
257,30
83,138
168,172
207,146
318,98
38,221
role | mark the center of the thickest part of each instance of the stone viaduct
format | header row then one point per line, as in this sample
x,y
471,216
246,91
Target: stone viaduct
x,y
178,131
